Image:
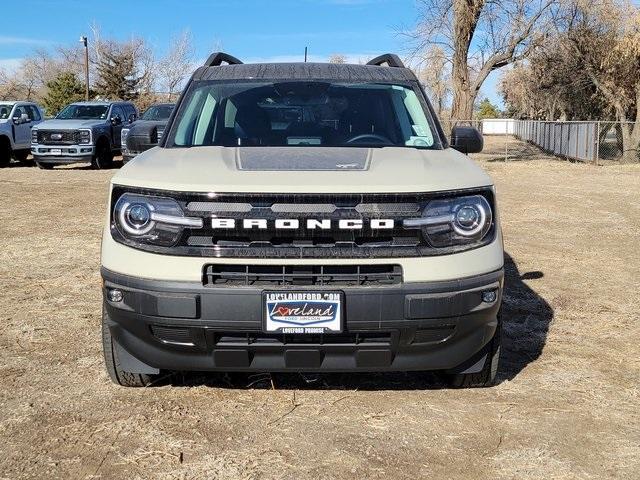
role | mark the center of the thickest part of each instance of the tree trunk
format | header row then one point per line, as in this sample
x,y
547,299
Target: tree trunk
x,y
463,100
465,20
630,142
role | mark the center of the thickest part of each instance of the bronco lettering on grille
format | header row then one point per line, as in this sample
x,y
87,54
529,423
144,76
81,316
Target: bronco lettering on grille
x,y
294,223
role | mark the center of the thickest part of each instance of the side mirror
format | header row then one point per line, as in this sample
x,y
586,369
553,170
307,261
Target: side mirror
x,y
466,139
20,119
132,118
116,120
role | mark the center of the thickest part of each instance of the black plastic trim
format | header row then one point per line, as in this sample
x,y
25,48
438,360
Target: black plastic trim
x,y
391,59
218,58
227,334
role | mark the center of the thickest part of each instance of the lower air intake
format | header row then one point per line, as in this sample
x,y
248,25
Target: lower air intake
x,y
305,275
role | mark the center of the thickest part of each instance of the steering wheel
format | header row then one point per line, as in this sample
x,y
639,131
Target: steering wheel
x,y
379,138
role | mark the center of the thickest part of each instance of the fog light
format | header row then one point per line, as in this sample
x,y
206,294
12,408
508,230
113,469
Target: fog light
x,y
115,295
489,296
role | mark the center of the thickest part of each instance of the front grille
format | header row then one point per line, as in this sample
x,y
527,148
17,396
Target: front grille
x,y
175,335
297,226
67,137
314,275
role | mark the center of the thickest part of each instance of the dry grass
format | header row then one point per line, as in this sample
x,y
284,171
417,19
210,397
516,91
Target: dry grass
x,y
566,407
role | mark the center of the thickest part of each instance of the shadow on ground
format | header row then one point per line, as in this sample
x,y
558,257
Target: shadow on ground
x,y
526,317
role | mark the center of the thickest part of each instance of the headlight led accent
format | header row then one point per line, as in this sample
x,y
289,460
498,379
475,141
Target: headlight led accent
x,y
135,218
151,220
85,137
454,221
124,133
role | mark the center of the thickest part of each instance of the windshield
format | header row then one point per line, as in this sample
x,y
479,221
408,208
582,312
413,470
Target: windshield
x,y
158,112
303,113
84,112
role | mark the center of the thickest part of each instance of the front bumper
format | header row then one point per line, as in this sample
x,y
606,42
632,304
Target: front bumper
x,y
178,325
68,153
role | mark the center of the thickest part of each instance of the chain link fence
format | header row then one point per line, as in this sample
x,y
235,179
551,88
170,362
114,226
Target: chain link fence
x,y
599,142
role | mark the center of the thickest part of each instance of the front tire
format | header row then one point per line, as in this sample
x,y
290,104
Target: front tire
x,y
21,156
116,373
487,376
103,158
45,166
5,152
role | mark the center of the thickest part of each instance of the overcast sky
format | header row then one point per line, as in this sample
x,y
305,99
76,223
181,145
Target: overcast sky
x,y
253,30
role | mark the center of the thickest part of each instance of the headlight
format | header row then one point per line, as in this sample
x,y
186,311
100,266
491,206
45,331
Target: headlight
x,y
454,221
34,136
159,132
123,137
85,137
150,220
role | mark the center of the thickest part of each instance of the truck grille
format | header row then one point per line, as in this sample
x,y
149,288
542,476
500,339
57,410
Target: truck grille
x,y
67,137
316,275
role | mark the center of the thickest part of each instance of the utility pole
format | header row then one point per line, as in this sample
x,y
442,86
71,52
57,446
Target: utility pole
x,y
84,41
305,54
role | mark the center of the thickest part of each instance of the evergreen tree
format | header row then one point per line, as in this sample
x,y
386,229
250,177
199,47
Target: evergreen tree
x,y
62,90
117,75
487,110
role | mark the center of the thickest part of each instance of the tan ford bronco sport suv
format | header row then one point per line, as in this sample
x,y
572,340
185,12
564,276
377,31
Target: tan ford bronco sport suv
x,y
303,217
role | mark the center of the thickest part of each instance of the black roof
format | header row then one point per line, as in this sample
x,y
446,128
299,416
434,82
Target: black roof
x,y
385,68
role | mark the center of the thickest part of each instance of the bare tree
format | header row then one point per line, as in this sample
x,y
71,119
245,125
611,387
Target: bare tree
x,y
434,74
10,87
177,65
478,37
337,58
605,36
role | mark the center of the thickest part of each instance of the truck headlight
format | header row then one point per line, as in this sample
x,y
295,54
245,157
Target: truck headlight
x,y
124,133
455,221
150,220
34,135
85,137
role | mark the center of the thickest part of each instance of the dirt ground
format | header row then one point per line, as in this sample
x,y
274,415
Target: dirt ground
x,y
567,405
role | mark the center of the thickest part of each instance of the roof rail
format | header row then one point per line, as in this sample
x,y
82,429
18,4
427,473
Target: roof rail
x,y
216,59
391,59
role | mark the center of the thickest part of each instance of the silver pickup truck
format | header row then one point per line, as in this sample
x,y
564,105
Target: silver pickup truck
x,y
82,132
16,121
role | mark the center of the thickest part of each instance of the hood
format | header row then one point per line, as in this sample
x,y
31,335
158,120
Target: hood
x,y
56,124
144,127
302,170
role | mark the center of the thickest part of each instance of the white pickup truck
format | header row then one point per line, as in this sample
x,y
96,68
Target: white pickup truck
x,y
16,121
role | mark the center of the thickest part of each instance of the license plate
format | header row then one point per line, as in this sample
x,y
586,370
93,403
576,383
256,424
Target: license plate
x,y
303,312
55,151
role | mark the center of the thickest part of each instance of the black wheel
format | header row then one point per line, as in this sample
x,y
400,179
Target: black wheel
x,y
487,376
117,374
103,158
45,166
5,152
21,156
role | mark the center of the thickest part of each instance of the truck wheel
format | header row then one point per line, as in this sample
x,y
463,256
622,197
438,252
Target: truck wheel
x,y
45,166
5,152
117,374
21,156
487,376
103,158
